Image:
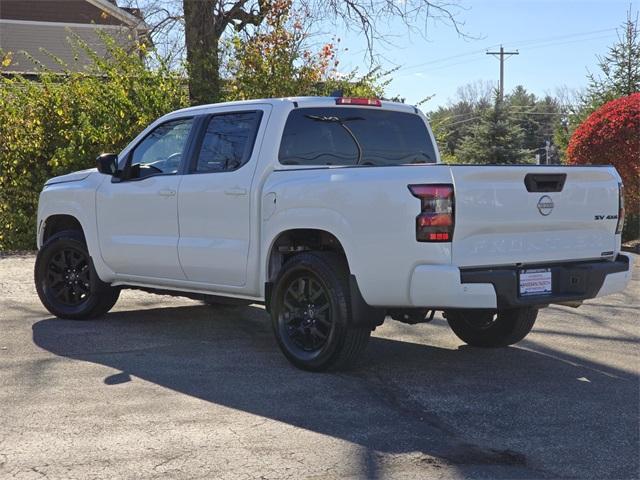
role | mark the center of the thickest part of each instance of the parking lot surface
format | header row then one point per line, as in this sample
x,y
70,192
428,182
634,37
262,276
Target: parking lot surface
x,y
168,387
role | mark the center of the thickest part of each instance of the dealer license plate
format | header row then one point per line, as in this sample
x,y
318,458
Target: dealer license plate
x,y
535,282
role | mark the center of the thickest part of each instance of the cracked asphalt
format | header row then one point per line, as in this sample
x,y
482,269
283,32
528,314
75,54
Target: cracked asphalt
x,y
165,387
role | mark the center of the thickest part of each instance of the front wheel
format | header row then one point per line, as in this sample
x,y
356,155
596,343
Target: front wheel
x,y
310,313
488,328
66,281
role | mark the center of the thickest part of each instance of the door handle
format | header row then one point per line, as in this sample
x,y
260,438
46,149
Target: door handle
x,y
236,191
165,192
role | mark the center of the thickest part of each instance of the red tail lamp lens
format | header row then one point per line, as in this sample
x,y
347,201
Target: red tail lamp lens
x,y
436,220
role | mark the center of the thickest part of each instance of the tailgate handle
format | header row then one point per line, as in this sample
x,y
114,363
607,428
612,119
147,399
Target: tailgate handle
x,y
545,182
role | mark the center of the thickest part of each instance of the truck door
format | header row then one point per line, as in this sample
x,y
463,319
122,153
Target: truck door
x,y
214,198
138,216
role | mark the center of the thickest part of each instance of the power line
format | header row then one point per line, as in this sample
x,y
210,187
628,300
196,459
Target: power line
x,y
531,43
445,59
441,67
538,113
581,40
560,37
462,121
444,122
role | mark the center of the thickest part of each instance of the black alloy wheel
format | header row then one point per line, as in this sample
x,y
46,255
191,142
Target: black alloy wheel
x,y
480,320
491,328
68,277
311,313
306,316
66,280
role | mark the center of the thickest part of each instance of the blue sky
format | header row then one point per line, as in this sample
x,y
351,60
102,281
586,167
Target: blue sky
x,y
557,40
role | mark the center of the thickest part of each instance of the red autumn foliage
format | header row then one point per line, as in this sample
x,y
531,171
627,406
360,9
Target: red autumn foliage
x,y
611,135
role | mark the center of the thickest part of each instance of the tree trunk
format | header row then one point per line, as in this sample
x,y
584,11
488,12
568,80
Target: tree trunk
x,y
202,39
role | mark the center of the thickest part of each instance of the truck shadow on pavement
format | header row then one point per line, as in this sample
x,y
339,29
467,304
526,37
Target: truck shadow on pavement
x,y
514,409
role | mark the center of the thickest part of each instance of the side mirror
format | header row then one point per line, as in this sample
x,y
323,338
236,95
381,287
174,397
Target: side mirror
x,y
107,163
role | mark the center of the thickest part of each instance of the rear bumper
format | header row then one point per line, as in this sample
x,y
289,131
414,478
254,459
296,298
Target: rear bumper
x,y
571,282
445,286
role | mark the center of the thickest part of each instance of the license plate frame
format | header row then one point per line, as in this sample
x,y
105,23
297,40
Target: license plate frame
x,y
535,282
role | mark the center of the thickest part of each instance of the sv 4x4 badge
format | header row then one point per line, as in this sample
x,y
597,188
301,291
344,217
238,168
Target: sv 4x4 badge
x,y
606,217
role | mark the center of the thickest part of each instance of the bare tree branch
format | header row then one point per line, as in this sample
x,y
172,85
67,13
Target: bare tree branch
x,y
368,16
208,21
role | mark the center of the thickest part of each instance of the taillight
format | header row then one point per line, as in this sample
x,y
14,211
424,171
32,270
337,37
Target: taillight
x,y
620,225
371,102
436,219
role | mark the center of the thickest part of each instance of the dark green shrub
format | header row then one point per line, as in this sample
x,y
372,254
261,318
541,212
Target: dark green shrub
x,y
60,122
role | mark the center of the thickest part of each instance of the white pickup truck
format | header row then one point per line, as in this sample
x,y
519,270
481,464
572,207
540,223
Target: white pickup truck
x,y
334,213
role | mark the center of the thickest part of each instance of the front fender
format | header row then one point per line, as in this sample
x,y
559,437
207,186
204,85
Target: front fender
x,y
76,199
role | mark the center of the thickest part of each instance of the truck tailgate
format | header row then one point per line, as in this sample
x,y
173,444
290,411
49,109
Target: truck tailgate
x,y
502,221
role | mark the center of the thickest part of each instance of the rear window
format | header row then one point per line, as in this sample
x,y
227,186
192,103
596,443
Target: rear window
x,y
354,136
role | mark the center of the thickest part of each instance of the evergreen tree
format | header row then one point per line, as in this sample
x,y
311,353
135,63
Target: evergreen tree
x,y
496,138
453,122
620,67
620,76
538,118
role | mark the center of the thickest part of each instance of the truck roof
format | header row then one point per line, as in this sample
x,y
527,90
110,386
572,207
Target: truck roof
x,y
300,101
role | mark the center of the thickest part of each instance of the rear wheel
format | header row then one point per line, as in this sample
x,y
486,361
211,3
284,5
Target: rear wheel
x,y
489,328
310,313
66,281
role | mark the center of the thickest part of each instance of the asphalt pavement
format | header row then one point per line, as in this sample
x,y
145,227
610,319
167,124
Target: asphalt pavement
x,y
165,387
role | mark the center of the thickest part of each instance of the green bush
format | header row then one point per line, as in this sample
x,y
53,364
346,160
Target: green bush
x,y
59,123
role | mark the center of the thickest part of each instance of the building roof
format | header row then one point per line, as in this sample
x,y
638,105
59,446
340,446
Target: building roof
x,y
35,34
98,12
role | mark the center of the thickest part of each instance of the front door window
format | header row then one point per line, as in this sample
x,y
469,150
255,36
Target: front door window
x,y
161,151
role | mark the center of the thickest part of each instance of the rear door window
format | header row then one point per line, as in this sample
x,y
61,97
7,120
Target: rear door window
x,y
354,136
228,141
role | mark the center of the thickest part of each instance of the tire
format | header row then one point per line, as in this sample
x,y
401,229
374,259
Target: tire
x,y
66,280
486,328
310,313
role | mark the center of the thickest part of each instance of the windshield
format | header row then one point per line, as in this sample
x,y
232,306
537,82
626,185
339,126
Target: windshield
x,y
354,136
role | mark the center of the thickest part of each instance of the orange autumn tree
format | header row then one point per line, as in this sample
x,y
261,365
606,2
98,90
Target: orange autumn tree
x,y
611,135
278,59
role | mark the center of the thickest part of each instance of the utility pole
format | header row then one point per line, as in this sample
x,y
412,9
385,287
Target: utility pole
x,y
502,55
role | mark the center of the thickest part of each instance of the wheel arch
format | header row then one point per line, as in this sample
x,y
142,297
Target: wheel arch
x,y
57,223
55,216
289,242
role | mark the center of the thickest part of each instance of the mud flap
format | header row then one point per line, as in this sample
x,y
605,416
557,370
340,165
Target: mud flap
x,y
363,314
